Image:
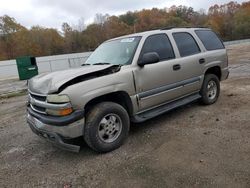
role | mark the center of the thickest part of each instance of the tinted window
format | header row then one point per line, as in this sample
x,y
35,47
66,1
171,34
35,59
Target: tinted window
x,y
186,44
159,43
209,39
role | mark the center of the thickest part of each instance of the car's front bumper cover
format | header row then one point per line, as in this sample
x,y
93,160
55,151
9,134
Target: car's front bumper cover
x,y
57,134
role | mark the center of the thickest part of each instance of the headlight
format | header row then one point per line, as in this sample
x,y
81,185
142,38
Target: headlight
x,y
58,99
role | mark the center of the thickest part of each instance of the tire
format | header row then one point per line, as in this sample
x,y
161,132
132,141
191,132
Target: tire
x,y
107,127
210,96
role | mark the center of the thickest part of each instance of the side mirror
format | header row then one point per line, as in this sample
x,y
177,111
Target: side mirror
x,y
149,58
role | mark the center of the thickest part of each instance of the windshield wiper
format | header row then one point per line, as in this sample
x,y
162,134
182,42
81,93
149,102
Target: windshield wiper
x,y
84,64
102,63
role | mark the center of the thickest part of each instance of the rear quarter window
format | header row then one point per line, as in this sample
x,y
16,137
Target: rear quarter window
x,y
209,39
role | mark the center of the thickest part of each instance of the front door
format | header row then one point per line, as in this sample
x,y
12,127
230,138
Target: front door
x,y
157,83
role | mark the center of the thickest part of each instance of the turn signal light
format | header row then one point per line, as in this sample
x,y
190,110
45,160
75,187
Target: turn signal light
x,y
60,112
65,112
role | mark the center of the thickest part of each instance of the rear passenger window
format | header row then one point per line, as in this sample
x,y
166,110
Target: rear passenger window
x,y
160,44
209,39
186,44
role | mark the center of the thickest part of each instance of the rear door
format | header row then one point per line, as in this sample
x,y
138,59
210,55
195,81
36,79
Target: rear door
x,y
190,59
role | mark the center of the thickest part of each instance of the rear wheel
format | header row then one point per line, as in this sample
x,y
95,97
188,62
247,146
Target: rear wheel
x,y
210,89
107,126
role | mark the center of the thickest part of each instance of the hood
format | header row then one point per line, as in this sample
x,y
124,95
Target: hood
x,y
53,82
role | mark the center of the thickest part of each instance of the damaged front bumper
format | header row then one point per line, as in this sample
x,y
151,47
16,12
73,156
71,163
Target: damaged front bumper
x,y
56,129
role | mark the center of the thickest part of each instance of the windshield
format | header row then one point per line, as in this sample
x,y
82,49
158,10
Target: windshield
x,y
117,52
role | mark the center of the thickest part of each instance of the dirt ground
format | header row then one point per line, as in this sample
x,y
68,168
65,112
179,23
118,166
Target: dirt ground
x,y
193,146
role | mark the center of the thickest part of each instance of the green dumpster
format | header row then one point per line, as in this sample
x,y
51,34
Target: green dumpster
x,y
27,67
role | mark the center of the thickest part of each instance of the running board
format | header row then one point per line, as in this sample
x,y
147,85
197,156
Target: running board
x,y
164,108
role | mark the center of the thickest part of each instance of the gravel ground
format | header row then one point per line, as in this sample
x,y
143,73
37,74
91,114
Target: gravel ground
x,y
12,86
193,146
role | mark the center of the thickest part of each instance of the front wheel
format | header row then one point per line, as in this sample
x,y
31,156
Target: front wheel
x,y
210,89
107,126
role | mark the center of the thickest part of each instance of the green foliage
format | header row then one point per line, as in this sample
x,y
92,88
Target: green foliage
x,y
8,25
242,21
231,21
129,18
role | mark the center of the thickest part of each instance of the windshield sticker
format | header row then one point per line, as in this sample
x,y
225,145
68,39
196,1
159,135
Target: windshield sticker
x,y
128,40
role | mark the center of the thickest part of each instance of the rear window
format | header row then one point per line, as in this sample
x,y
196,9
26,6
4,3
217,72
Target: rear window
x,y
186,44
209,40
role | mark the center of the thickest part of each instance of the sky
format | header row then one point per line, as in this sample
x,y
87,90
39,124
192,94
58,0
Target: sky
x,y
52,13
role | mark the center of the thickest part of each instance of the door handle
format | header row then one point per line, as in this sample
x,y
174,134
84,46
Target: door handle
x,y
202,60
176,67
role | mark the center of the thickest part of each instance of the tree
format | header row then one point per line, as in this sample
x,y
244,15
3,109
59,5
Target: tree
x,y
230,21
241,22
100,18
221,18
185,13
8,26
81,25
66,28
68,38
129,18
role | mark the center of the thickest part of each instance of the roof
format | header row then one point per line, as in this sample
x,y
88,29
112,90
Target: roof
x,y
172,29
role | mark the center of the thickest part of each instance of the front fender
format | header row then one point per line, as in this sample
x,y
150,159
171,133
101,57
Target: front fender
x,y
81,93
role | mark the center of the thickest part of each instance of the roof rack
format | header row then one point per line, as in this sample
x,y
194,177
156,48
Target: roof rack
x,y
168,28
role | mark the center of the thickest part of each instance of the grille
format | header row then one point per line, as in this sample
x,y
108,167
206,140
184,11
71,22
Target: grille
x,y
38,109
39,98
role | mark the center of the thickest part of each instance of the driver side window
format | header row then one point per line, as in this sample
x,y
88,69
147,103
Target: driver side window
x,y
160,44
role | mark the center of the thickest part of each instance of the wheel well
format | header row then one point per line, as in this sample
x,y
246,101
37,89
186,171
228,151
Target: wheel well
x,y
214,70
120,97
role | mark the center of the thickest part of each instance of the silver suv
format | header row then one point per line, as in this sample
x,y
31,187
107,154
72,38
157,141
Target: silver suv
x,y
130,78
